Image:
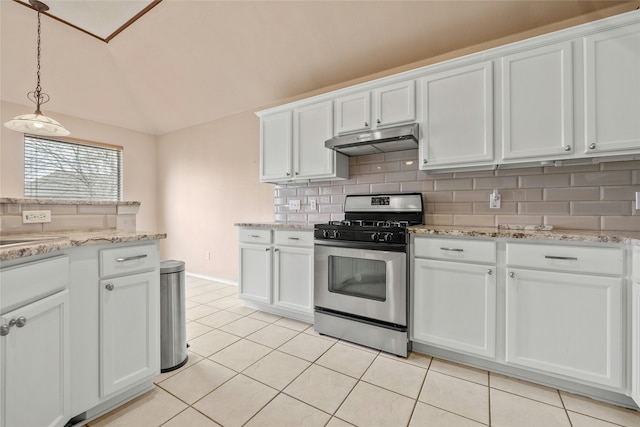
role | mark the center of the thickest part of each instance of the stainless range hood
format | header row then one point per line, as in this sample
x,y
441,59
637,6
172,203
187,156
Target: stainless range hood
x,y
376,141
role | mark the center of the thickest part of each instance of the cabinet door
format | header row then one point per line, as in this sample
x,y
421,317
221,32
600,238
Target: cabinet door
x,y
129,332
567,324
353,113
635,342
312,126
612,99
458,117
537,103
455,306
395,104
275,146
255,272
34,362
293,279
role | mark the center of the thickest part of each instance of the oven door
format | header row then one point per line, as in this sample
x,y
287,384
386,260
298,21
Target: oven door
x,y
362,279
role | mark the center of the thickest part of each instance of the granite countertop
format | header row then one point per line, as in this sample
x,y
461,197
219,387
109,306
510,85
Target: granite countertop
x,y
530,234
51,242
281,225
11,200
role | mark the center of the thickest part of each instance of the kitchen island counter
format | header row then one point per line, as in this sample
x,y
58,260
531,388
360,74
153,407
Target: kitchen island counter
x,y
40,243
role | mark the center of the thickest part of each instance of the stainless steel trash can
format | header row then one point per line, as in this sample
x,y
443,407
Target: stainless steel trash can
x,y
173,335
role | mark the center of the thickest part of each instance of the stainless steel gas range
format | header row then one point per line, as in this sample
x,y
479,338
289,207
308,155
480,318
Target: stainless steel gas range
x,y
361,271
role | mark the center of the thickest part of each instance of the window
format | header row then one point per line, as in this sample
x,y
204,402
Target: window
x,y
58,169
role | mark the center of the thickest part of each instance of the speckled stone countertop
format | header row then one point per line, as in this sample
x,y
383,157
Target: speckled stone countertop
x,y
51,242
282,225
9,200
586,236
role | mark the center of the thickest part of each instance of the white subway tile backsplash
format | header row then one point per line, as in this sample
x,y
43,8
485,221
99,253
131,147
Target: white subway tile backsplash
x,y
581,197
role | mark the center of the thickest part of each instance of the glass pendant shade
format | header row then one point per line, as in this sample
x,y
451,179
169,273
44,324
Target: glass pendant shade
x,y
36,124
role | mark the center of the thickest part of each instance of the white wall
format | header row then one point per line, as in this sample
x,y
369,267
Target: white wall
x,y
208,180
139,159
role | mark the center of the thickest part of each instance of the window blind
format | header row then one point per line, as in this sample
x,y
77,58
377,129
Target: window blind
x,y
69,170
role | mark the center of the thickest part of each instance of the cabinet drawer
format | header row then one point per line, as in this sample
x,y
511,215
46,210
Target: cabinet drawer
x,y
293,238
254,235
566,258
25,283
127,260
481,251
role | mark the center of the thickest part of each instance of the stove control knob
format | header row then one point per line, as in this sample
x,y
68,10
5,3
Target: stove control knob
x,y
336,234
375,236
325,233
388,237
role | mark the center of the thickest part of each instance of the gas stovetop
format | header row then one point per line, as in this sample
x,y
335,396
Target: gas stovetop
x,y
382,218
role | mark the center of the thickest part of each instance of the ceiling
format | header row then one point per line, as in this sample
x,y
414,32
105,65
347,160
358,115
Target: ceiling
x,y
183,62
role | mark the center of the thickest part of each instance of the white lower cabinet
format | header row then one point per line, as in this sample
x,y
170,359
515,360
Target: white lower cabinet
x,y
454,295
635,343
455,306
277,274
129,334
34,362
565,323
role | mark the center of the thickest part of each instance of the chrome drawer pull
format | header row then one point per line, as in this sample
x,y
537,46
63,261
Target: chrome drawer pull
x,y
131,258
255,236
293,238
452,249
566,258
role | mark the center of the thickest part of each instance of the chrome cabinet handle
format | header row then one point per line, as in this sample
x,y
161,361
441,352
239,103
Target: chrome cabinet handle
x,y
109,286
512,274
452,249
293,238
366,124
18,323
378,121
131,258
489,272
267,249
255,236
567,148
592,146
288,173
566,258
424,161
276,250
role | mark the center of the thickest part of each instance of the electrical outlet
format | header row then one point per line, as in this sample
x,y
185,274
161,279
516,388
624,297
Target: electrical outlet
x,y
36,217
313,204
494,200
294,205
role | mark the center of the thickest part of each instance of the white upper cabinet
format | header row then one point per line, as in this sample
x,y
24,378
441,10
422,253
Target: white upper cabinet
x,y
612,85
275,146
392,104
312,126
292,145
537,103
353,112
457,122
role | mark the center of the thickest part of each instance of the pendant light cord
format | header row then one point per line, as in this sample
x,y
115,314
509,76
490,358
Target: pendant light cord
x,y
37,96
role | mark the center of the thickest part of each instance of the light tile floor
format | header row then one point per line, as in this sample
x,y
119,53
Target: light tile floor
x,y
250,368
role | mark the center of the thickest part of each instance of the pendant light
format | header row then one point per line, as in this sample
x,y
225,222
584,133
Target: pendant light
x,y
37,123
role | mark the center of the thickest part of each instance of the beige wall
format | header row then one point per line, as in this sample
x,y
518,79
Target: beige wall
x,y
208,180
139,159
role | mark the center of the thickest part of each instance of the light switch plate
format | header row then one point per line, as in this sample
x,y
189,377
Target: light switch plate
x,y
36,217
294,205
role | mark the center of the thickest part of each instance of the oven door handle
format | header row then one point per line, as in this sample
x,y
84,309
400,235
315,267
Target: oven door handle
x,y
390,247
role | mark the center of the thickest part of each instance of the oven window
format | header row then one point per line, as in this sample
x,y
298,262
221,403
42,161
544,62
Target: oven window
x,y
358,277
